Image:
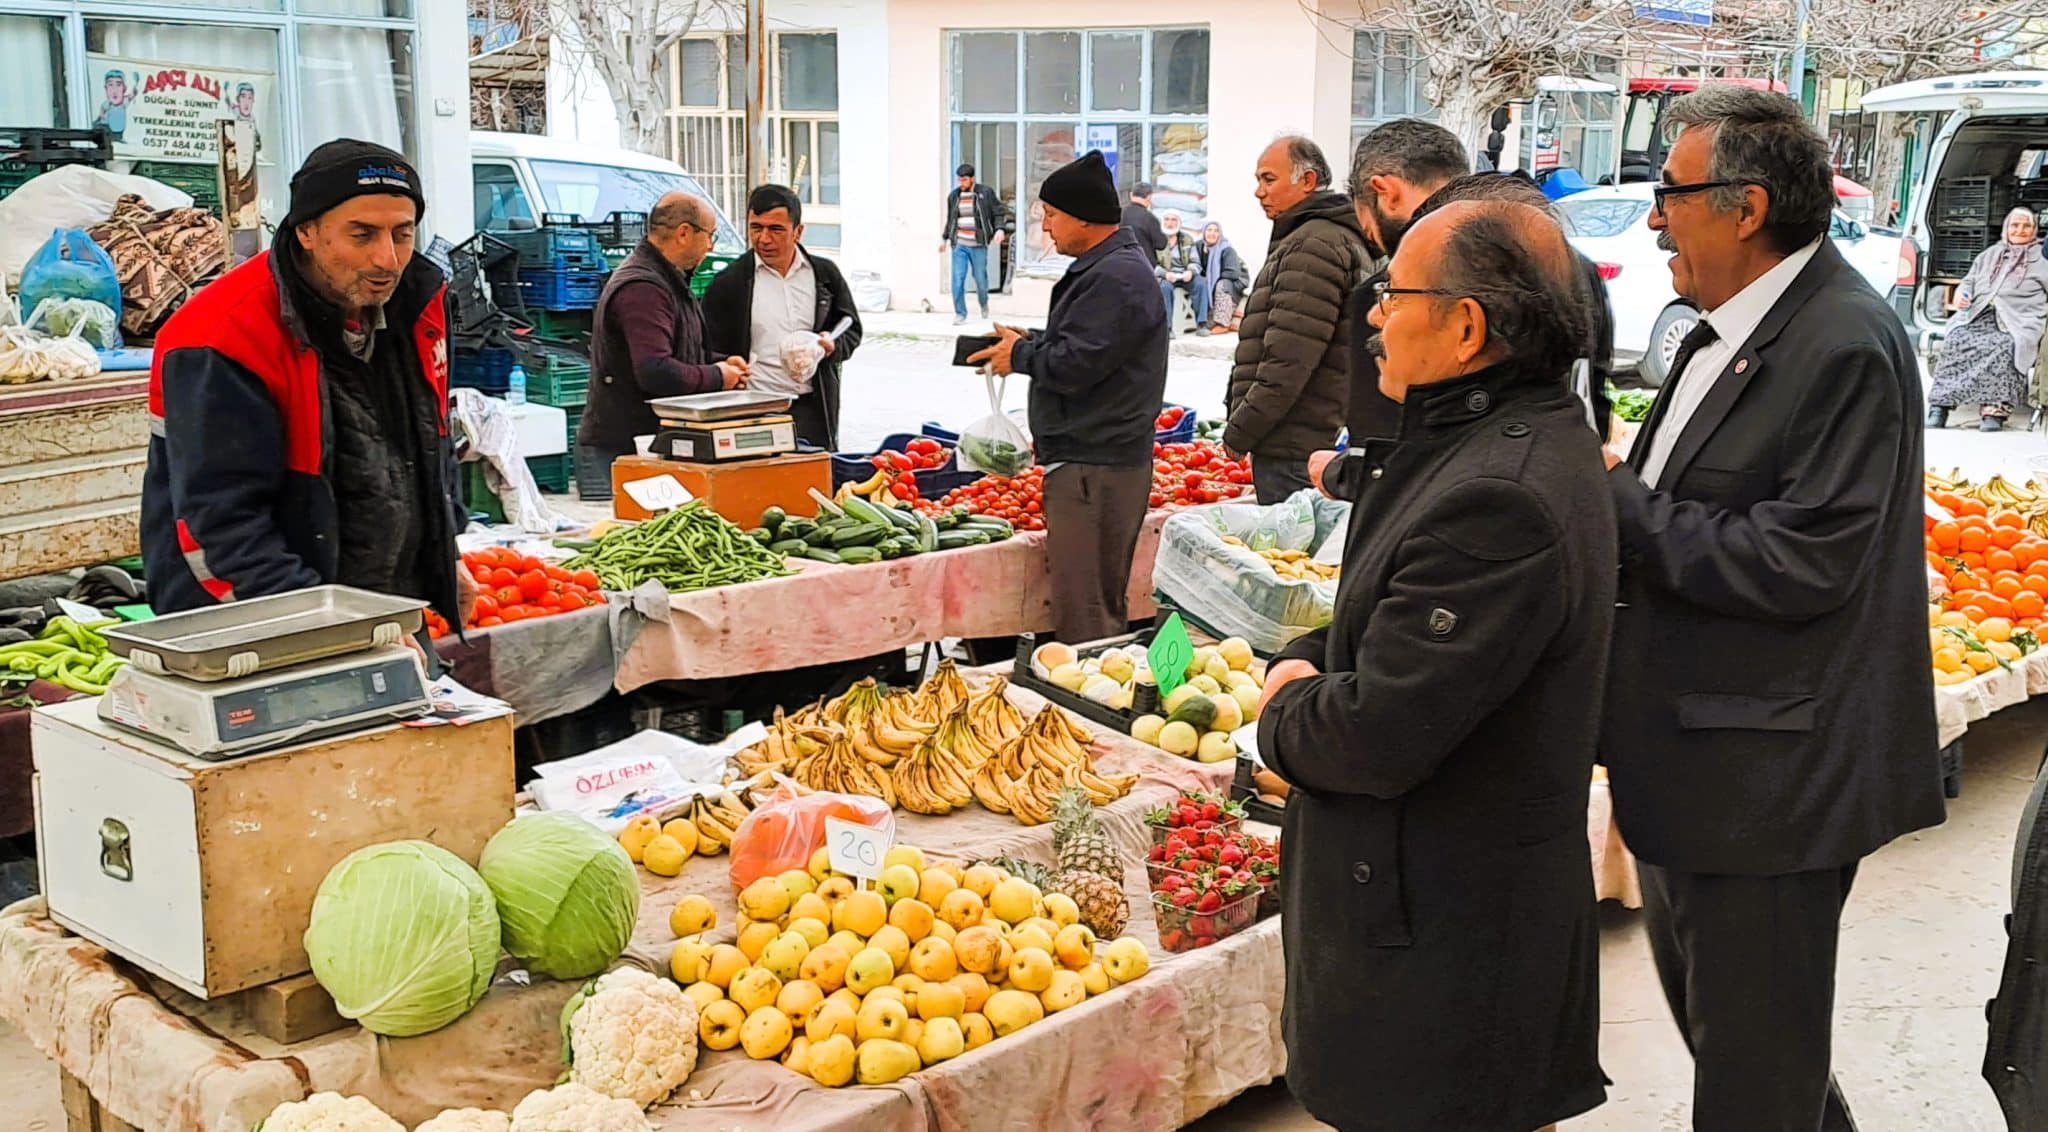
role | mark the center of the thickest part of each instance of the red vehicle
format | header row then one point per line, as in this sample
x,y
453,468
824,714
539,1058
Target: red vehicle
x,y
1643,143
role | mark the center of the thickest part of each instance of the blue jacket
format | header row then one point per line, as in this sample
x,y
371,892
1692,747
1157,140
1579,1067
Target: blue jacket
x,y
1098,369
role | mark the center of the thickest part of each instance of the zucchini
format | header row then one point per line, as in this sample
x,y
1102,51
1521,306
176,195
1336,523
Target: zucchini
x,y
773,518
789,547
798,527
820,554
902,518
904,544
859,535
955,540
762,535
859,555
890,548
947,520
927,534
1000,528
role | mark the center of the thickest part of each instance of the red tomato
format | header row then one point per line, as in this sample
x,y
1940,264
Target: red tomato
x,y
533,584
1158,500
556,573
513,613
501,577
490,622
508,595
588,580
486,606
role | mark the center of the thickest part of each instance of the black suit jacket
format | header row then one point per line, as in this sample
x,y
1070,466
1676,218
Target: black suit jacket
x,y
729,331
1770,706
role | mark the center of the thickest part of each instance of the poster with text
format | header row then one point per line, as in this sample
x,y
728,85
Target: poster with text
x,y
160,111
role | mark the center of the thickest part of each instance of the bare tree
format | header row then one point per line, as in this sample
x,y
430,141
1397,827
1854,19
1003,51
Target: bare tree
x,y
626,44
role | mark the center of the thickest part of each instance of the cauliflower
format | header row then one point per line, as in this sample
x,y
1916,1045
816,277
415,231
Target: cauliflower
x,y
467,1120
575,1108
329,1112
632,1035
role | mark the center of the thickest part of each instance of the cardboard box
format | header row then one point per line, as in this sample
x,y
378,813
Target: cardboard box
x,y
740,490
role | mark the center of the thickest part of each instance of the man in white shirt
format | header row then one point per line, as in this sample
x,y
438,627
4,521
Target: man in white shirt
x,y
1769,719
789,312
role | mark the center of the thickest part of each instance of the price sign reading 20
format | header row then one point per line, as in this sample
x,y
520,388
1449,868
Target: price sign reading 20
x,y
856,850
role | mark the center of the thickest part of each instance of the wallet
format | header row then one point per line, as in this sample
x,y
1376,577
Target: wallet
x,y
967,345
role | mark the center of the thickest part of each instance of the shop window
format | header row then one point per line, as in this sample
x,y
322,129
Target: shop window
x,y
710,139
1180,72
985,72
232,5
1388,80
700,70
372,9
1052,73
32,56
1117,70
356,82
809,68
1180,168
1127,141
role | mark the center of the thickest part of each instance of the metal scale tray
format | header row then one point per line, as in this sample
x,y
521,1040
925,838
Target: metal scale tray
x,y
240,638
726,405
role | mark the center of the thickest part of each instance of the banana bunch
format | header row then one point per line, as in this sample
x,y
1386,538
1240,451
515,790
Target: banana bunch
x,y
844,769
717,819
2001,492
788,743
1953,482
995,719
939,695
854,707
891,731
1025,778
934,778
875,489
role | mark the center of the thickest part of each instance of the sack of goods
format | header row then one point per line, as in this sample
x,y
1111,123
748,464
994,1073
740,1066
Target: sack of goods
x,y
1266,574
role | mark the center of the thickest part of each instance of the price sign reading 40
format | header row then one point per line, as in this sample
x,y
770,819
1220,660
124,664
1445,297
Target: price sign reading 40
x,y
857,850
1169,654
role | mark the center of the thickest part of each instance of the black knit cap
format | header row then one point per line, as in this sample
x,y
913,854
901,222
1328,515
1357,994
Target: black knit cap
x,y
1084,190
344,169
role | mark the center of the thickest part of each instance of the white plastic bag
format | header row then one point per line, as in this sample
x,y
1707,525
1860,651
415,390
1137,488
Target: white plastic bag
x,y
801,354
1233,591
995,444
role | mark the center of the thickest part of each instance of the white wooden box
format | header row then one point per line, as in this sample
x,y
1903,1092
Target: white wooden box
x,y
204,872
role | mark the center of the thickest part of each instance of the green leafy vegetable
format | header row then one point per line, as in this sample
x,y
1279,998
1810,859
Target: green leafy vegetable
x,y
404,936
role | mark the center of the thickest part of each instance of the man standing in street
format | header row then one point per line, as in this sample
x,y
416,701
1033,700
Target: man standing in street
x,y
1771,526
1290,387
975,222
300,405
758,307
1098,376
1138,217
1180,269
647,340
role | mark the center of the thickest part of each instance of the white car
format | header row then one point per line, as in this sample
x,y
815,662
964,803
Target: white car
x,y
1610,226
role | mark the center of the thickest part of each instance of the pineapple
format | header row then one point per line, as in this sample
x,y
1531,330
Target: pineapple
x,y
1024,870
1101,900
1078,839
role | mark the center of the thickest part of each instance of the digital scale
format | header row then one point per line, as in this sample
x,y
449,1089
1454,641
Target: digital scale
x,y
714,428
248,676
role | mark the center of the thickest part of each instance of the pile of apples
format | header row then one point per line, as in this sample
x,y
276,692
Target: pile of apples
x,y
846,984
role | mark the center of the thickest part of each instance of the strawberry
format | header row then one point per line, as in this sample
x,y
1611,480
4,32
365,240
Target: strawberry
x,y
1210,901
1185,898
1211,811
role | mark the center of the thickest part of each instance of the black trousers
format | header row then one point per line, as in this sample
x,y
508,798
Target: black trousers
x,y
1748,966
1274,478
1093,514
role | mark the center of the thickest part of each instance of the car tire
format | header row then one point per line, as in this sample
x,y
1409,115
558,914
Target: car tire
x,y
1671,328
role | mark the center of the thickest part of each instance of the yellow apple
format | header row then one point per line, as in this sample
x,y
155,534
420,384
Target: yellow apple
x,y
932,960
797,1058
942,1041
1009,1011
765,899
1014,901
835,889
830,1018
896,945
819,868
798,998
940,1000
979,1032
798,882
1126,959
1074,947
755,938
825,965
831,1061
881,1018
1066,989
754,988
962,908
1061,909
724,962
845,998
870,968
863,913
815,932
784,955
913,916
1030,937
882,1062
664,856
848,942
904,855
718,1025
1031,970
982,879
692,915
1095,979
934,884
913,1032
765,1033
810,906
898,882
974,990
979,949
638,832
943,930
689,961
908,984
703,994
890,991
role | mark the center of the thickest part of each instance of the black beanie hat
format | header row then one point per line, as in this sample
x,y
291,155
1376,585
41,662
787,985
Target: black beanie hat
x,y
344,169
1084,190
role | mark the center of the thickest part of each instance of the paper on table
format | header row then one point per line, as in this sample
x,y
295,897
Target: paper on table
x,y
659,493
1247,740
458,705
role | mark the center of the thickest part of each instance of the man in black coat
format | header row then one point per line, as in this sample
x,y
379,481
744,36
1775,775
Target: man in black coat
x,y
760,306
1098,376
1770,719
1438,734
1139,221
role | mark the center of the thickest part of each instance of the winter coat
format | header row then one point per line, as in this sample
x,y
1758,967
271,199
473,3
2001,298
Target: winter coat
x,y
1291,389
990,216
1222,264
729,328
1441,946
1098,369
243,495
1141,222
646,341
1181,253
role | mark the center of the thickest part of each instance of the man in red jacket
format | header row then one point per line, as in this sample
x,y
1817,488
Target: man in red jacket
x,y
299,407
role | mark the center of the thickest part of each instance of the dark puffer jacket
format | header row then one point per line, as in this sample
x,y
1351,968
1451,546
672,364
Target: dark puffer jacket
x,y
1291,387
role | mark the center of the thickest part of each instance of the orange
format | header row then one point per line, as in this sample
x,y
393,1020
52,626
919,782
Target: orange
x,y
2036,583
1946,535
2027,604
2006,537
2005,588
1994,606
1975,612
2008,519
1971,507
1950,502
1974,539
1971,558
2000,561
1962,581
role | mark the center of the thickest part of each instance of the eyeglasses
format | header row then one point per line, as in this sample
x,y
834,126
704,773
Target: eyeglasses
x,y
1660,192
1382,292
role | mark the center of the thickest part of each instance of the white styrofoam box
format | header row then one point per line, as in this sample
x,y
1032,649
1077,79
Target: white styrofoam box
x,y
543,430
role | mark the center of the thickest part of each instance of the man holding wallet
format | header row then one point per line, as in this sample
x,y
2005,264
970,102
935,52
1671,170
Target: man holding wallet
x,y
1098,377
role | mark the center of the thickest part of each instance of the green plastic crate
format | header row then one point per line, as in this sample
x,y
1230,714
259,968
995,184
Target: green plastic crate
x,y
566,325
553,473
700,280
575,414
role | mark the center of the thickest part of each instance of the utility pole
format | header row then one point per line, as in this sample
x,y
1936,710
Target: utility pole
x,y
757,95
1795,83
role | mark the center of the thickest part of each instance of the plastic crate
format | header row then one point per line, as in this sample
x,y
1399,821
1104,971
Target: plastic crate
x,y
1184,929
556,247
619,230
553,473
557,378
853,467
556,289
700,279
488,368
567,326
1178,434
1964,201
1955,249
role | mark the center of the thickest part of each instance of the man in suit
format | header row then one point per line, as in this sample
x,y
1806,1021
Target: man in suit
x,y
765,301
1770,717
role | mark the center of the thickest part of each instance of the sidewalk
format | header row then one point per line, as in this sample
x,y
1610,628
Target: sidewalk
x,y
937,326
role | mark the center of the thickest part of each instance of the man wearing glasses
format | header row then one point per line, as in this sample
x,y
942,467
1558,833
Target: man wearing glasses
x,y
1770,527
647,340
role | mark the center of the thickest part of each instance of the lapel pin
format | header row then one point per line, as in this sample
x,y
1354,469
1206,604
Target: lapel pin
x,y
1741,365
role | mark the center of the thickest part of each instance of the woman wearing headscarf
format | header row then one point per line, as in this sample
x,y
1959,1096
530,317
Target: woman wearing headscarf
x,y
1223,270
1993,343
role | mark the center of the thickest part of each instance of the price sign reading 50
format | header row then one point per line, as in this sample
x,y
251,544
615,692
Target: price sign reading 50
x,y
857,850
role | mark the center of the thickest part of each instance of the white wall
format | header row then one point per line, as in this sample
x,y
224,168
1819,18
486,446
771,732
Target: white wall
x,y
442,106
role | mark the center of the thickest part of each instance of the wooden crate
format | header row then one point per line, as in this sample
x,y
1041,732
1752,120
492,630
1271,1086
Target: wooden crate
x,y
740,490
224,858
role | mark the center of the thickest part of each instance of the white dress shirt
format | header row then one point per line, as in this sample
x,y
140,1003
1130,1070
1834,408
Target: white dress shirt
x,y
783,304
1734,320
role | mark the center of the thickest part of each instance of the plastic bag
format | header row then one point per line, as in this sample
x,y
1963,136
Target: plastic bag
x,y
801,354
995,444
30,355
89,319
786,828
1231,590
71,266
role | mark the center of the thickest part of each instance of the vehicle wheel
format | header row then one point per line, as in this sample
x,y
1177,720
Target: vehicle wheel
x,y
1672,326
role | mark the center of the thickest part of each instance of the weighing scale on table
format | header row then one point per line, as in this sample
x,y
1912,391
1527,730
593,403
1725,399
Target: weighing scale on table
x,y
248,676
715,428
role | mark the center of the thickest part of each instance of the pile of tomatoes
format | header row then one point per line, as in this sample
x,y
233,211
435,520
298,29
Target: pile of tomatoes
x,y
1197,472
514,587
1020,499
920,454
1171,417
1994,565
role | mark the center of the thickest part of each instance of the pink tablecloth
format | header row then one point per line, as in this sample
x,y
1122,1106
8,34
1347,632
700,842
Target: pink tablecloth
x,y
825,614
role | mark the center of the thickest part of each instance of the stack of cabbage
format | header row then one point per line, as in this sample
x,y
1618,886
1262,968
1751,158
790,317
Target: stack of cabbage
x,y
405,936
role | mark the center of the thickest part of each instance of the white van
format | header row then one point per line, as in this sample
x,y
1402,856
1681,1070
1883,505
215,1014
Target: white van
x,y
1989,156
519,178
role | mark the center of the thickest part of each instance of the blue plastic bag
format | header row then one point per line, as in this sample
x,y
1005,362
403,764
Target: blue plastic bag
x,y
70,266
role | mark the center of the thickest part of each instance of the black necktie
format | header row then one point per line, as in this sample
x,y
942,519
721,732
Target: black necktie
x,y
1698,338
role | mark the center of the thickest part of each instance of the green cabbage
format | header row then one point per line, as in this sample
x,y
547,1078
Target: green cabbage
x,y
404,936
567,894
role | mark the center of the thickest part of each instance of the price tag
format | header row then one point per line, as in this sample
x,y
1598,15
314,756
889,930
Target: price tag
x,y
659,493
855,849
83,614
1169,653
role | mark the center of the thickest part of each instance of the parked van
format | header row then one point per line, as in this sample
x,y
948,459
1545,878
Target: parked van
x,y
521,178
1989,156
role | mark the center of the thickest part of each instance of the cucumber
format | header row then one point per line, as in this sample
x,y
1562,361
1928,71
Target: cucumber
x,y
859,535
859,555
789,547
820,554
1000,528
927,534
773,518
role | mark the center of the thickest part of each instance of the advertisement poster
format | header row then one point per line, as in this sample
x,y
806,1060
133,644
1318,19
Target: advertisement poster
x,y
170,112
1104,138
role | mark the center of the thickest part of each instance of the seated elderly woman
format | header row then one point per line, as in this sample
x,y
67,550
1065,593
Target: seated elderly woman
x,y
1992,344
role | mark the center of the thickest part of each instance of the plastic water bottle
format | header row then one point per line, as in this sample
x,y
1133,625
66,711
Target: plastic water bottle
x,y
515,386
